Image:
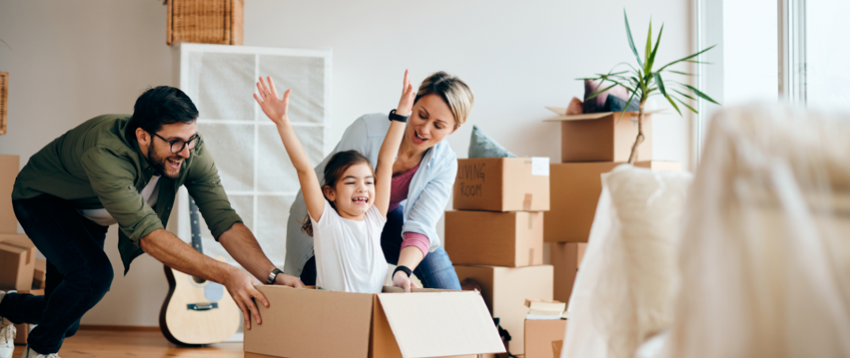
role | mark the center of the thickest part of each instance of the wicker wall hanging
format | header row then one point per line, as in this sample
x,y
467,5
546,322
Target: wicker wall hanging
x,y
4,100
206,21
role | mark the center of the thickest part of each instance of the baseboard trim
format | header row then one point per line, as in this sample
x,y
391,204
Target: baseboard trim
x,y
96,327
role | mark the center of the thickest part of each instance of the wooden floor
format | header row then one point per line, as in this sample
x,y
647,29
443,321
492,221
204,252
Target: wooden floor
x,y
103,344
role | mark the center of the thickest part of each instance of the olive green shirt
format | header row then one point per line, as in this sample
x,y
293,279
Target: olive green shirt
x,y
98,165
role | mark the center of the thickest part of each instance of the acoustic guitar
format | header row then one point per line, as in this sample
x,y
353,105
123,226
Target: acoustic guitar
x,y
196,311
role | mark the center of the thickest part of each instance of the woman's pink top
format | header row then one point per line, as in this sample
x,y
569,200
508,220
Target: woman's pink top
x,y
398,193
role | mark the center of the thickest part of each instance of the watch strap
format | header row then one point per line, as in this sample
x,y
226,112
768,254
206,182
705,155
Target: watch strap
x,y
273,276
397,117
404,269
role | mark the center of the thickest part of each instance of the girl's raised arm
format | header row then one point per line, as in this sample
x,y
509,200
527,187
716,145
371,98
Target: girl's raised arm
x,y
276,109
389,149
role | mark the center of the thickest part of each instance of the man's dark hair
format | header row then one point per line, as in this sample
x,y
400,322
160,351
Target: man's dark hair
x,y
161,105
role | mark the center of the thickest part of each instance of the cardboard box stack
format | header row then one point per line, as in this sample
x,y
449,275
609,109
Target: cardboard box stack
x,y
591,144
495,235
17,253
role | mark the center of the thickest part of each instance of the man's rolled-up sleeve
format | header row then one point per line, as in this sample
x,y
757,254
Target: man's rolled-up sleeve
x,y
204,185
112,179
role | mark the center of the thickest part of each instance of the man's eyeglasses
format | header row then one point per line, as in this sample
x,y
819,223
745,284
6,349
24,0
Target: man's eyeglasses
x,y
177,145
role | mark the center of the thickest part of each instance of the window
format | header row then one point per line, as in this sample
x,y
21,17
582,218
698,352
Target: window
x,y
255,170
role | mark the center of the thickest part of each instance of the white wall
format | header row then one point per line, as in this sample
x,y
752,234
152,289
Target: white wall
x,y
70,61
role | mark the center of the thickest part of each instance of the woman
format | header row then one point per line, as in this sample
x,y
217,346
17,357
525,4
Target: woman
x,y
423,177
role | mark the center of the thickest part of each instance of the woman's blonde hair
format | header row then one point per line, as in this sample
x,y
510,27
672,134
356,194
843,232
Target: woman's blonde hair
x,y
452,90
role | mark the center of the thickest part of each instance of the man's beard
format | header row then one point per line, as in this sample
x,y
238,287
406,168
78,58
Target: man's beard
x,y
158,163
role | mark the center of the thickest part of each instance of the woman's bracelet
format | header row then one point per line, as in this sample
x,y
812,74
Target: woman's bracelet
x,y
397,117
404,269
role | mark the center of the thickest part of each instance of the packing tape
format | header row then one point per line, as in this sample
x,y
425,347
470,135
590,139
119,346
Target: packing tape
x,y
526,203
531,257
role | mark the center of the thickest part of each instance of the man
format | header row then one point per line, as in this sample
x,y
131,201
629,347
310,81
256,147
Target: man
x,y
125,170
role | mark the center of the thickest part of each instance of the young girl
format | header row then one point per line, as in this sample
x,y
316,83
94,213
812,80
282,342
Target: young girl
x,y
347,214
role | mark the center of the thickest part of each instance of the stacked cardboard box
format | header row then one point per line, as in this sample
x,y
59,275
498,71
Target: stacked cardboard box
x,y
591,144
495,235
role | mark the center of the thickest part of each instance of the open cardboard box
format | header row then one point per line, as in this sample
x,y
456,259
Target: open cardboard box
x,y
575,189
302,323
505,290
602,137
502,184
509,239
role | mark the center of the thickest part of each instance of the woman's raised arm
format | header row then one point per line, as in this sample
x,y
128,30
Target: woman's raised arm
x,y
389,148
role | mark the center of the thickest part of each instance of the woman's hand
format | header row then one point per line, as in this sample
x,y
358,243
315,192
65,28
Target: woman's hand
x,y
400,279
405,104
274,107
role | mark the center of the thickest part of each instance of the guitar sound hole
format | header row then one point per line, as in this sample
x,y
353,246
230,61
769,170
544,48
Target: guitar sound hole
x,y
198,280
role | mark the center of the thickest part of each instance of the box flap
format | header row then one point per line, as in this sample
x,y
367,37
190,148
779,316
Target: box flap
x,y
307,323
562,115
436,324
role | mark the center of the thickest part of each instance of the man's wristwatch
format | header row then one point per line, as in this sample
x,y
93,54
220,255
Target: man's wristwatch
x,y
397,117
273,276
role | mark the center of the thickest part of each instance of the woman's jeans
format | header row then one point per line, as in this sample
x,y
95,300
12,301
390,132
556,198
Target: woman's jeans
x,y
78,271
435,270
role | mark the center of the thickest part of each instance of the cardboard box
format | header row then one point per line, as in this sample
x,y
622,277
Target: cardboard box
x,y
556,348
603,137
505,289
540,335
502,184
575,189
17,262
9,166
23,329
490,238
566,259
427,323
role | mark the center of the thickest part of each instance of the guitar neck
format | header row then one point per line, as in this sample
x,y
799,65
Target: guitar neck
x,y
195,220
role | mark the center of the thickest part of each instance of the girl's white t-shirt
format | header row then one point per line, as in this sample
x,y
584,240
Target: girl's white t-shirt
x,y
348,252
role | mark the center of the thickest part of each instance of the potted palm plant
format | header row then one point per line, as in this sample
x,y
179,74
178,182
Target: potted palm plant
x,y
644,81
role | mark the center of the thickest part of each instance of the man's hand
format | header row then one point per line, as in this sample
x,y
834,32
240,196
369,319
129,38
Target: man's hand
x,y
288,280
240,285
400,279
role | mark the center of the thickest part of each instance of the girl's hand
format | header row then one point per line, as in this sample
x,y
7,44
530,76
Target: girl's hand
x,y
274,107
400,279
405,104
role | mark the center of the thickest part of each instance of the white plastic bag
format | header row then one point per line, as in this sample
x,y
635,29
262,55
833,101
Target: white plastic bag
x,y
624,291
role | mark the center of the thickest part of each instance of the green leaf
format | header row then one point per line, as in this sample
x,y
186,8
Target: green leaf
x,y
685,58
681,73
685,104
686,96
626,107
700,62
655,50
698,93
660,83
648,50
631,41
